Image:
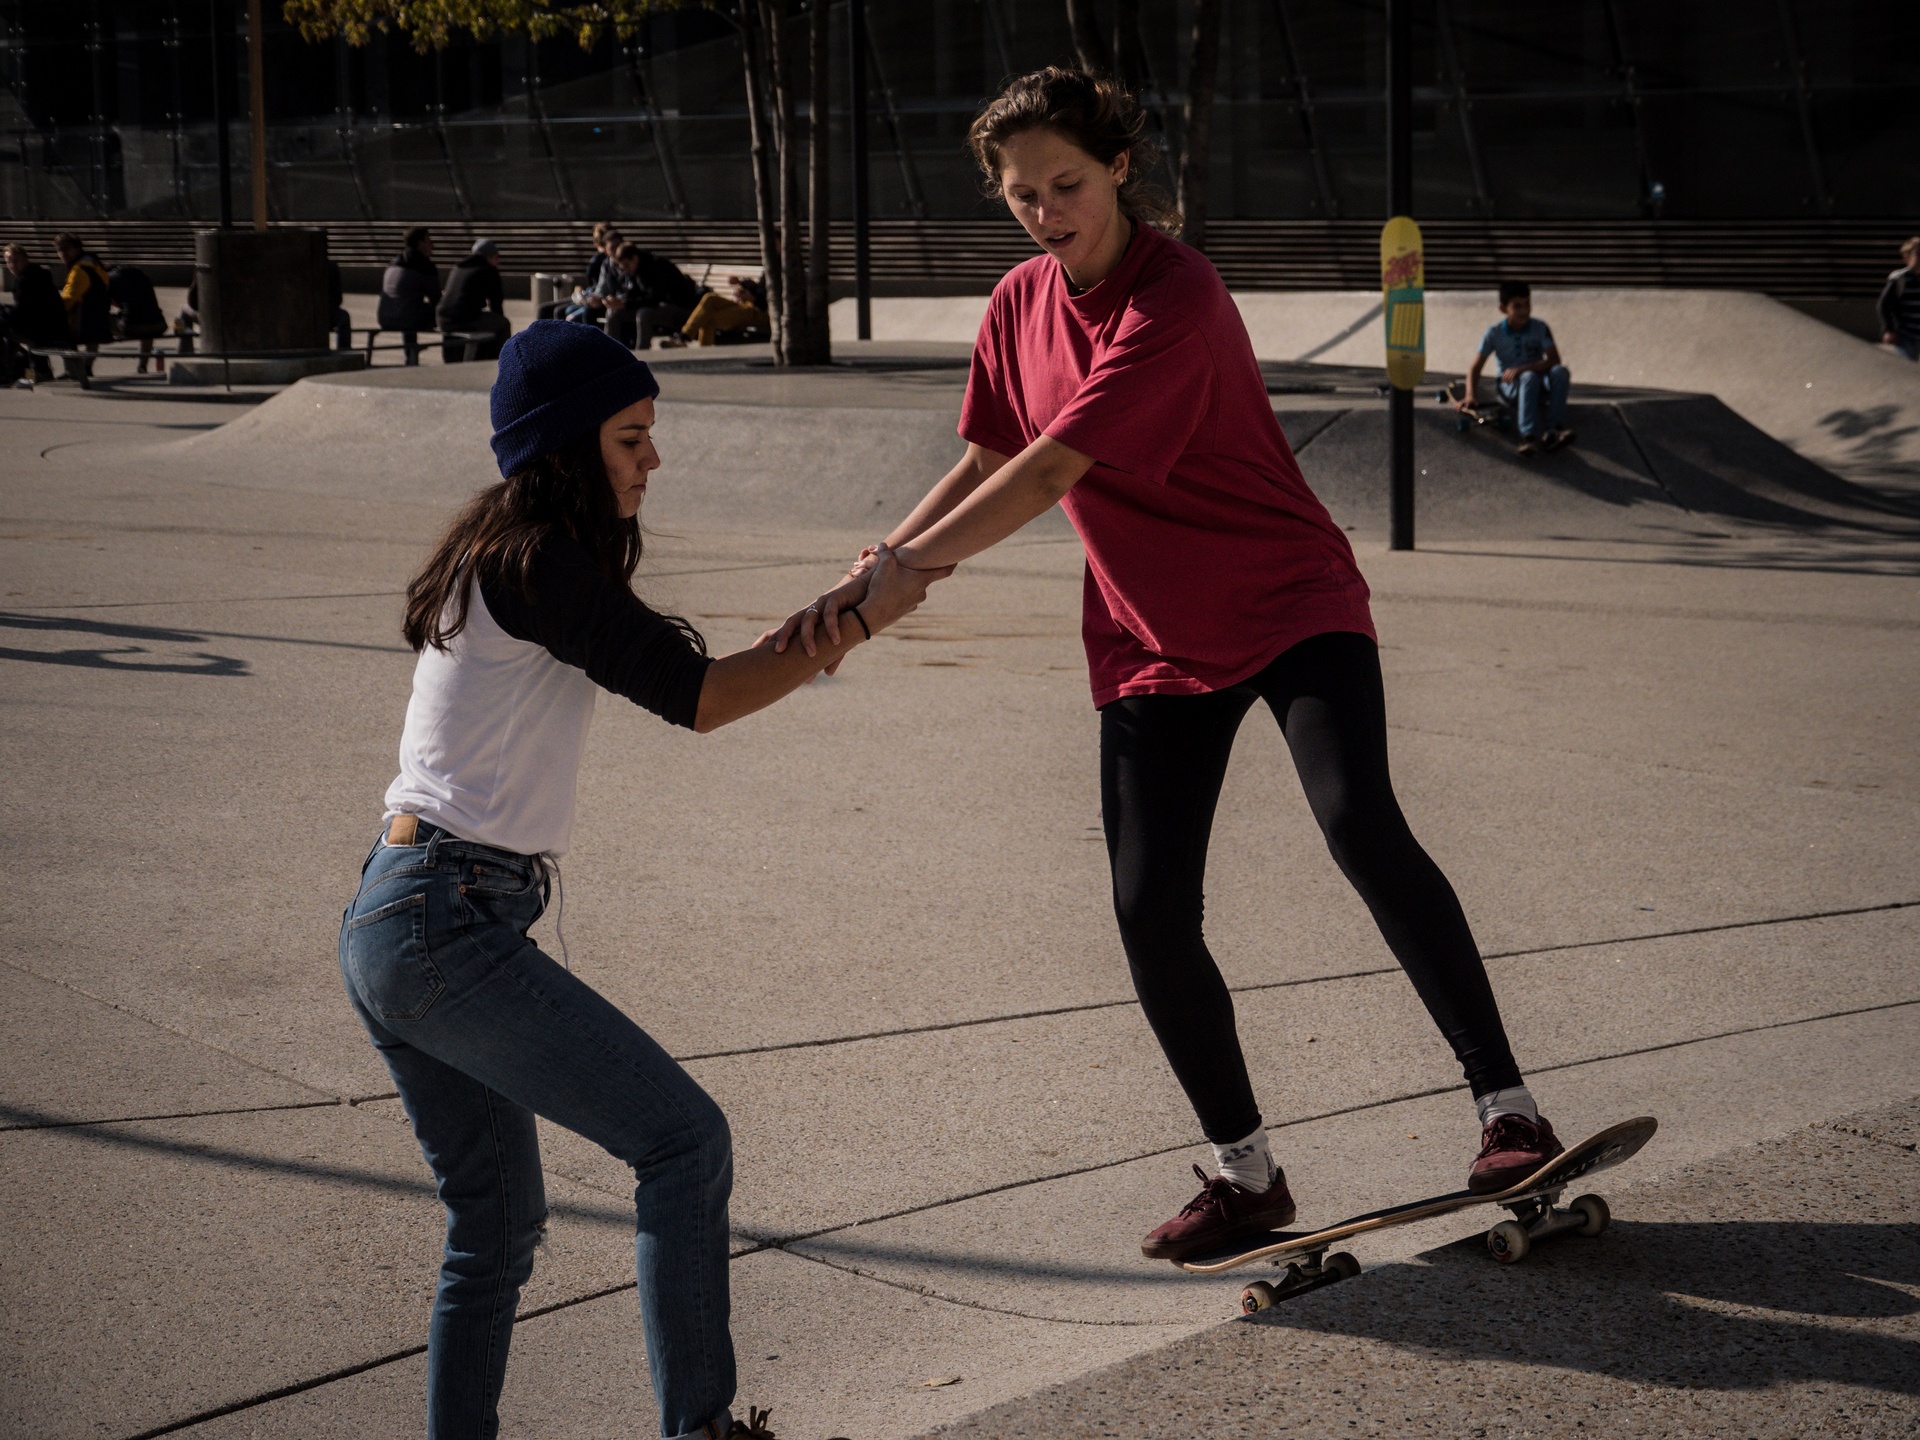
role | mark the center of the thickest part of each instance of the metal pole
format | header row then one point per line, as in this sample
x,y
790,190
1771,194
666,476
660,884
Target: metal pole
x,y
217,13
257,110
857,83
1400,202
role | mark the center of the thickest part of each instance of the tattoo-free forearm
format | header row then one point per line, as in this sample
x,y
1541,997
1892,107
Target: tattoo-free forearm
x,y
976,467
1025,487
752,679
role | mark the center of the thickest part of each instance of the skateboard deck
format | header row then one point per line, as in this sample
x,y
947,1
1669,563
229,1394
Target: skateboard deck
x,y
1496,413
1535,1216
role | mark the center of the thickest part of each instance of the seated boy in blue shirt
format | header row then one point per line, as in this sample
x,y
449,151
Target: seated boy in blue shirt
x,y
1530,371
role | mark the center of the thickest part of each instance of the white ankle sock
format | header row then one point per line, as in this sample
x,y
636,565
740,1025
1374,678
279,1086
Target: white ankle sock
x,y
1514,1100
1248,1161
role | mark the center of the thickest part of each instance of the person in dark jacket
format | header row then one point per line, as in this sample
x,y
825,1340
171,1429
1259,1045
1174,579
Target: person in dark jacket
x,y
647,295
475,301
410,290
1900,304
36,318
84,292
136,312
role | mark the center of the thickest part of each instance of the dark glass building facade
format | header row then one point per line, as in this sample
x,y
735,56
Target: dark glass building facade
x,y
1602,110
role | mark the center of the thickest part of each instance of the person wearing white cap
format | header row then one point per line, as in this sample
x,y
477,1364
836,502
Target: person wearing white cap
x,y
475,303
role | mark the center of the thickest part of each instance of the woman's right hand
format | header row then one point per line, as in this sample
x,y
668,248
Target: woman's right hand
x,y
894,590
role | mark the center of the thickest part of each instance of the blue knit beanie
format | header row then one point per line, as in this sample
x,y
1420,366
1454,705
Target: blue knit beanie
x,y
560,380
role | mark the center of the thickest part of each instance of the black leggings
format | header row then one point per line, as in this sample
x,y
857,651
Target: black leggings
x,y
1162,760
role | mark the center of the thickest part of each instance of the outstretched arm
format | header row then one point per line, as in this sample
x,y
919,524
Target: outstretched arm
x,y
976,467
752,679
1026,487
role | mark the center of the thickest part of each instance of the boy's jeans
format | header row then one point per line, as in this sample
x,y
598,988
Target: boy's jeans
x,y
1524,395
481,1032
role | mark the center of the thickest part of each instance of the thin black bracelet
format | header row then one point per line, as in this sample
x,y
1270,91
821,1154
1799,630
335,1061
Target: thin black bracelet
x,y
854,611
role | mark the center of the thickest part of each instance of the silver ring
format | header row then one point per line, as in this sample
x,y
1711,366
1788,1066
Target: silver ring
x,y
813,609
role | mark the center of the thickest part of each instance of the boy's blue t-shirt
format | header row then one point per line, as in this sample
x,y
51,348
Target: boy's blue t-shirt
x,y
1515,348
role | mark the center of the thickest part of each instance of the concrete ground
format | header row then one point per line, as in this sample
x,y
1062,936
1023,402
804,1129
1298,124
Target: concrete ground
x,y
1663,744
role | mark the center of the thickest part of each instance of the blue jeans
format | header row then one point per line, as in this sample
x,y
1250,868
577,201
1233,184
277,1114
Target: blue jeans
x,y
1524,395
482,1032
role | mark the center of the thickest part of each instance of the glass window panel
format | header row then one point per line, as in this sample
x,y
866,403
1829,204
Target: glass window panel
x,y
1558,157
1506,47
1867,147
1704,42
1723,156
1864,42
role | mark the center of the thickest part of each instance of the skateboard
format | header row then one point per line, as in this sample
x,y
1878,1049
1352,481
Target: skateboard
x,y
1496,412
1537,1216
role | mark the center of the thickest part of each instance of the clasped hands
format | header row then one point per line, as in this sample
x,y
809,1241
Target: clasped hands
x,y
881,587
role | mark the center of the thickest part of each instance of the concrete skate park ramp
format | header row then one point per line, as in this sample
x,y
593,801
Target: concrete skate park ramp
x,y
1835,398
853,447
1647,465
741,443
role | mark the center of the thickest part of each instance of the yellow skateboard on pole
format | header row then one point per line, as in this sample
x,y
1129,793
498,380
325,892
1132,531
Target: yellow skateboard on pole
x,y
1403,281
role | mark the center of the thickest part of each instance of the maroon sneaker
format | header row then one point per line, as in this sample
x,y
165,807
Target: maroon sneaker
x,y
1512,1147
1221,1212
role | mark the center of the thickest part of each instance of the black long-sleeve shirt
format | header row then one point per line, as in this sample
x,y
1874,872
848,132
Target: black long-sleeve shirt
x,y
585,619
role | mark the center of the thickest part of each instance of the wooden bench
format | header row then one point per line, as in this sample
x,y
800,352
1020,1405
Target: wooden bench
x,y
469,340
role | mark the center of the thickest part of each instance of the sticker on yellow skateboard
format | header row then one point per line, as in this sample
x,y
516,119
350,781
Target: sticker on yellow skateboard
x,y
1403,281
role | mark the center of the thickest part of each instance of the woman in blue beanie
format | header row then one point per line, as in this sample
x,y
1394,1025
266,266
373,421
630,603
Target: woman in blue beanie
x,y
523,612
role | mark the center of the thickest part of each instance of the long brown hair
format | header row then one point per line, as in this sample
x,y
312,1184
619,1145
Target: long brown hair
x,y
1095,113
496,533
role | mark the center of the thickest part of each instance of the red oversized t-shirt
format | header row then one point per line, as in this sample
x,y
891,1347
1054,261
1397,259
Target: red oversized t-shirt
x,y
1207,555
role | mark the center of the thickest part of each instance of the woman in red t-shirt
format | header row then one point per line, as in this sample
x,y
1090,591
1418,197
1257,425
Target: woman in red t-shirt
x,y
1113,375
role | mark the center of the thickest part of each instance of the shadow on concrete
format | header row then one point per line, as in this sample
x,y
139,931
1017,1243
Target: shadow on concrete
x,y
875,1258
122,1136
200,662
1722,1306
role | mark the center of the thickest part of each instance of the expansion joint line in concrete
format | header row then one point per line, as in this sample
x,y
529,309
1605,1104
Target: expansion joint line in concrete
x,y
171,1030
1095,1005
926,1292
783,1241
757,1245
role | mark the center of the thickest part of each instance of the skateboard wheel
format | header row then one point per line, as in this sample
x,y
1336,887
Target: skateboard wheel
x,y
1257,1297
1341,1265
1507,1242
1593,1213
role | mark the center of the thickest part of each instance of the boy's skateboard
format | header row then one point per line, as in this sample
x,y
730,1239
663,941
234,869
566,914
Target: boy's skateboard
x,y
1482,413
1532,1201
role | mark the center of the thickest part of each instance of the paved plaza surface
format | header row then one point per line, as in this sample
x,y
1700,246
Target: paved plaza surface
x,y
1653,710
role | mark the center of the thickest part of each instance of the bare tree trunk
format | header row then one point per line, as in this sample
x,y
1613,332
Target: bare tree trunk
x,y
765,209
1196,146
817,348
1129,65
791,323
1087,47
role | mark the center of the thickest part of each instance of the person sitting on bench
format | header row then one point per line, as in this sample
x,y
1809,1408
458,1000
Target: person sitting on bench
x,y
409,291
606,240
649,295
85,292
136,312
738,315
36,318
472,288
1530,371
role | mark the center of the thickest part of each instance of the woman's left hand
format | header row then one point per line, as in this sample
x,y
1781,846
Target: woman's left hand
x,y
824,612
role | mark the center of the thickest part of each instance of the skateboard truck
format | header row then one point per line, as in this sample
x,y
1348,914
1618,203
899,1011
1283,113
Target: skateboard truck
x,y
1538,1218
1312,1270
